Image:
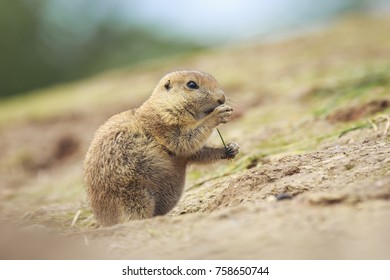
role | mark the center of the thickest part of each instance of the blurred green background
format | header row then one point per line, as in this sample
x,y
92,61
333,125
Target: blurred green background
x,y
44,42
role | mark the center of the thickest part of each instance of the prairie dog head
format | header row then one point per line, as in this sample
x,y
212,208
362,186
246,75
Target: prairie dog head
x,y
187,96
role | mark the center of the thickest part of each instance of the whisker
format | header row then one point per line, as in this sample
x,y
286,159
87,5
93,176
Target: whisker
x,y
233,102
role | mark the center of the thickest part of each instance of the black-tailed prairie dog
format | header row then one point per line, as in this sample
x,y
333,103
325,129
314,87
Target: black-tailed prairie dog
x,y
135,166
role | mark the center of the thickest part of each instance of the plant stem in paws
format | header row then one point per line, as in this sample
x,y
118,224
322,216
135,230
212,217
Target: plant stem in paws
x,y
220,135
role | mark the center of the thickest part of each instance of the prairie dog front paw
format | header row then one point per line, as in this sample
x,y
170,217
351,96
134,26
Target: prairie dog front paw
x,y
222,114
231,150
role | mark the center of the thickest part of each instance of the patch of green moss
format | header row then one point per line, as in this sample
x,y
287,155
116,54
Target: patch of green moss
x,y
352,89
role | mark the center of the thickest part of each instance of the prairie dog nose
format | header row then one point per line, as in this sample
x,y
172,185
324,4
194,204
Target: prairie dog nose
x,y
221,100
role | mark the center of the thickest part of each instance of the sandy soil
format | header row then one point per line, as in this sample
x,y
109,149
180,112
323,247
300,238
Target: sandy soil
x,y
312,180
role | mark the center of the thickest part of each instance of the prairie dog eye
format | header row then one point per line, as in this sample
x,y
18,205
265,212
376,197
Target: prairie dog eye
x,y
192,85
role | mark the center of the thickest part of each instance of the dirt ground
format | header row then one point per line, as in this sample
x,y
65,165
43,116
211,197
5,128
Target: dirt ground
x,y
312,180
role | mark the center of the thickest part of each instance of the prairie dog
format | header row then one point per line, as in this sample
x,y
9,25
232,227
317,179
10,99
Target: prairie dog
x,y
135,166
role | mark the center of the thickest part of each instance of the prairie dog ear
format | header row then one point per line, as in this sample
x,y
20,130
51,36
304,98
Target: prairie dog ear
x,y
167,85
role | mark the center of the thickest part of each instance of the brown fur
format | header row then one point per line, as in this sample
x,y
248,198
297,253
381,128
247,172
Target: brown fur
x,y
135,166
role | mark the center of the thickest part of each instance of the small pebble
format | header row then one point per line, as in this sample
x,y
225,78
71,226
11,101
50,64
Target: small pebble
x,y
283,196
